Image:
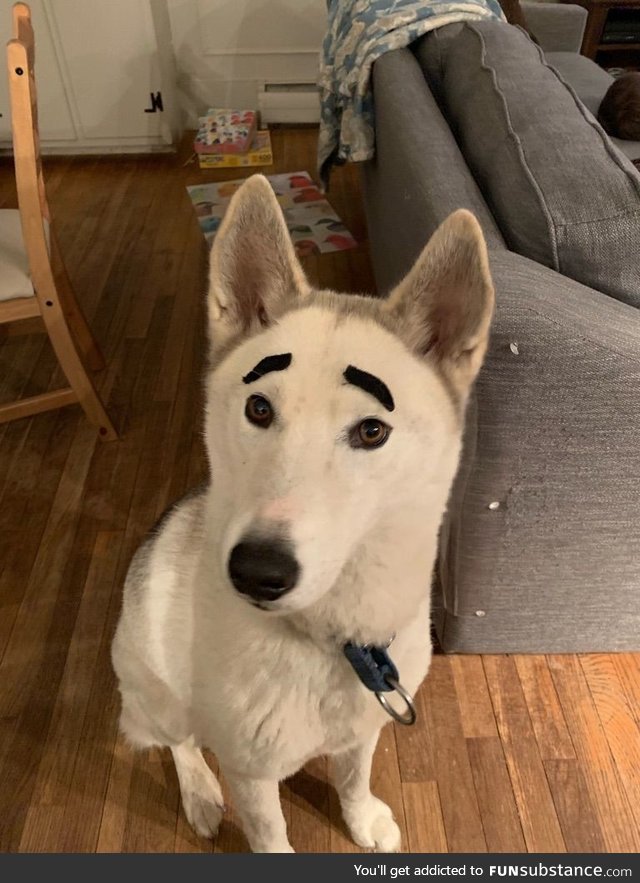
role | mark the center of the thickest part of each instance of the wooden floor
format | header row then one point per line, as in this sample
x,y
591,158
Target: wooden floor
x,y
510,753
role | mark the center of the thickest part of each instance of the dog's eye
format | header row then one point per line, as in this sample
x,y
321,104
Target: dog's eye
x,y
258,411
370,433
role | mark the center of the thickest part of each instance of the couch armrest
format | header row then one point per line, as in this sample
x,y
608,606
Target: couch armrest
x,y
558,27
555,442
418,175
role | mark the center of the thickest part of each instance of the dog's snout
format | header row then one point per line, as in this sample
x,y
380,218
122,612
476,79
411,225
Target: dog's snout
x,y
263,569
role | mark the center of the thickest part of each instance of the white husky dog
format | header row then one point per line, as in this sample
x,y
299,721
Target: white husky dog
x,y
333,430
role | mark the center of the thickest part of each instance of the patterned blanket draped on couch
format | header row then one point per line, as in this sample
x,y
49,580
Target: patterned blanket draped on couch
x,y
359,32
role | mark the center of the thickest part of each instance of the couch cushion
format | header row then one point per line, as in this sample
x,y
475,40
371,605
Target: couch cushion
x,y
553,437
590,83
431,51
418,176
15,280
588,80
560,191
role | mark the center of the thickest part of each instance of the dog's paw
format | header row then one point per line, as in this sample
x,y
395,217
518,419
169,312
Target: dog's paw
x,y
203,815
203,804
372,826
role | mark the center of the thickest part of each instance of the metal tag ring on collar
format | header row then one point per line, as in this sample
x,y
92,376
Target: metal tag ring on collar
x,y
409,716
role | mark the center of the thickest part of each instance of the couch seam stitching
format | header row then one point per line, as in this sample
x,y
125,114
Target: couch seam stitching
x,y
608,145
596,344
518,143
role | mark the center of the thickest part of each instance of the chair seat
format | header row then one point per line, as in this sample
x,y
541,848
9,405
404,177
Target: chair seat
x,y
15,279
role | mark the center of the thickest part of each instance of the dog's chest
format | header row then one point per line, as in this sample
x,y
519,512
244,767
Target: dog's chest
x,y
268,720
277,716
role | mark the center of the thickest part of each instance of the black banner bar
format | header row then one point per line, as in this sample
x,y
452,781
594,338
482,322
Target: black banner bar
x,y
366,868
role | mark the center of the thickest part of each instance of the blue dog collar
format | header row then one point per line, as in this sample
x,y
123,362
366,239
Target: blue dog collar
x,y
376,670
373,666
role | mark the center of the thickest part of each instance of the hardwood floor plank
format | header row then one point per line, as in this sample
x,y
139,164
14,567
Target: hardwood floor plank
x,y
20,358
166,248
500,819
545,711
57,172
185,337
34,503
416,747
306,800
540,825
152,807
453,774
618,722
91,810
578,818
53,522
23,486
138,476
115,467
26,368
187,412
129,273
80,209
594,755
425,825
113,821
14,561
34,658
63,739
476,710
627,667
90,254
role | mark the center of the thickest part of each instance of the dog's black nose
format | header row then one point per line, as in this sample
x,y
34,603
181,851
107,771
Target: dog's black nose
x,y
263,569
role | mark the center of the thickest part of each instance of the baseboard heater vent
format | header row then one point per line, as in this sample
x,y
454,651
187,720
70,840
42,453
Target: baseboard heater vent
x,y
289,103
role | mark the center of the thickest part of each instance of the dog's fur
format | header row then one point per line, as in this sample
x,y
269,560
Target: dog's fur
x,y
268,689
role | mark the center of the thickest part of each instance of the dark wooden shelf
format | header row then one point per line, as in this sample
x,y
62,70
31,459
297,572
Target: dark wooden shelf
x,y
598,11
615,47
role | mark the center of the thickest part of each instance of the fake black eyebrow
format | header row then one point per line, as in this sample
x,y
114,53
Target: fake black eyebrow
x,y
371,384
266,365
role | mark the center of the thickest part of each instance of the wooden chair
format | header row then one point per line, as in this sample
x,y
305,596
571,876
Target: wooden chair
x,y
33,280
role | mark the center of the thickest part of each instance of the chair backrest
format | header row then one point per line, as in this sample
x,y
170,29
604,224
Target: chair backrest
x,y
32,200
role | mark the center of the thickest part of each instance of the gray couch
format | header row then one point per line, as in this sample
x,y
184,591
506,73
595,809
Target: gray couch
x,y
540,549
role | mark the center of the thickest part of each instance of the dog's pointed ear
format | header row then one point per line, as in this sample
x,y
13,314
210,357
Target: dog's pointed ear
x,y
443,307
253,270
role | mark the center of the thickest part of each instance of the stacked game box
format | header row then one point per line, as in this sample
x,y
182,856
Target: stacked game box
x,y
229,139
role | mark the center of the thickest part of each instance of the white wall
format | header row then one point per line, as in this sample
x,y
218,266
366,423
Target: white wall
x,y
226,50
97,64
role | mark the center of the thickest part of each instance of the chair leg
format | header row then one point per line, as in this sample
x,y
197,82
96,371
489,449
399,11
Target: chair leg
x,y
75,371
86,342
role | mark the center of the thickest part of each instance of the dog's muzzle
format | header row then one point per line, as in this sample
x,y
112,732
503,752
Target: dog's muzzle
x,y
263,570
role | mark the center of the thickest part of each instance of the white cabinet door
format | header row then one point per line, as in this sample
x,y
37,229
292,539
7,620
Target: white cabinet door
x,y
104,70
110,55
56,121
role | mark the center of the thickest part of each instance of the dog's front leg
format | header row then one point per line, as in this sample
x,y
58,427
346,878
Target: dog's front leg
x,y
258,804
370,820
199,788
